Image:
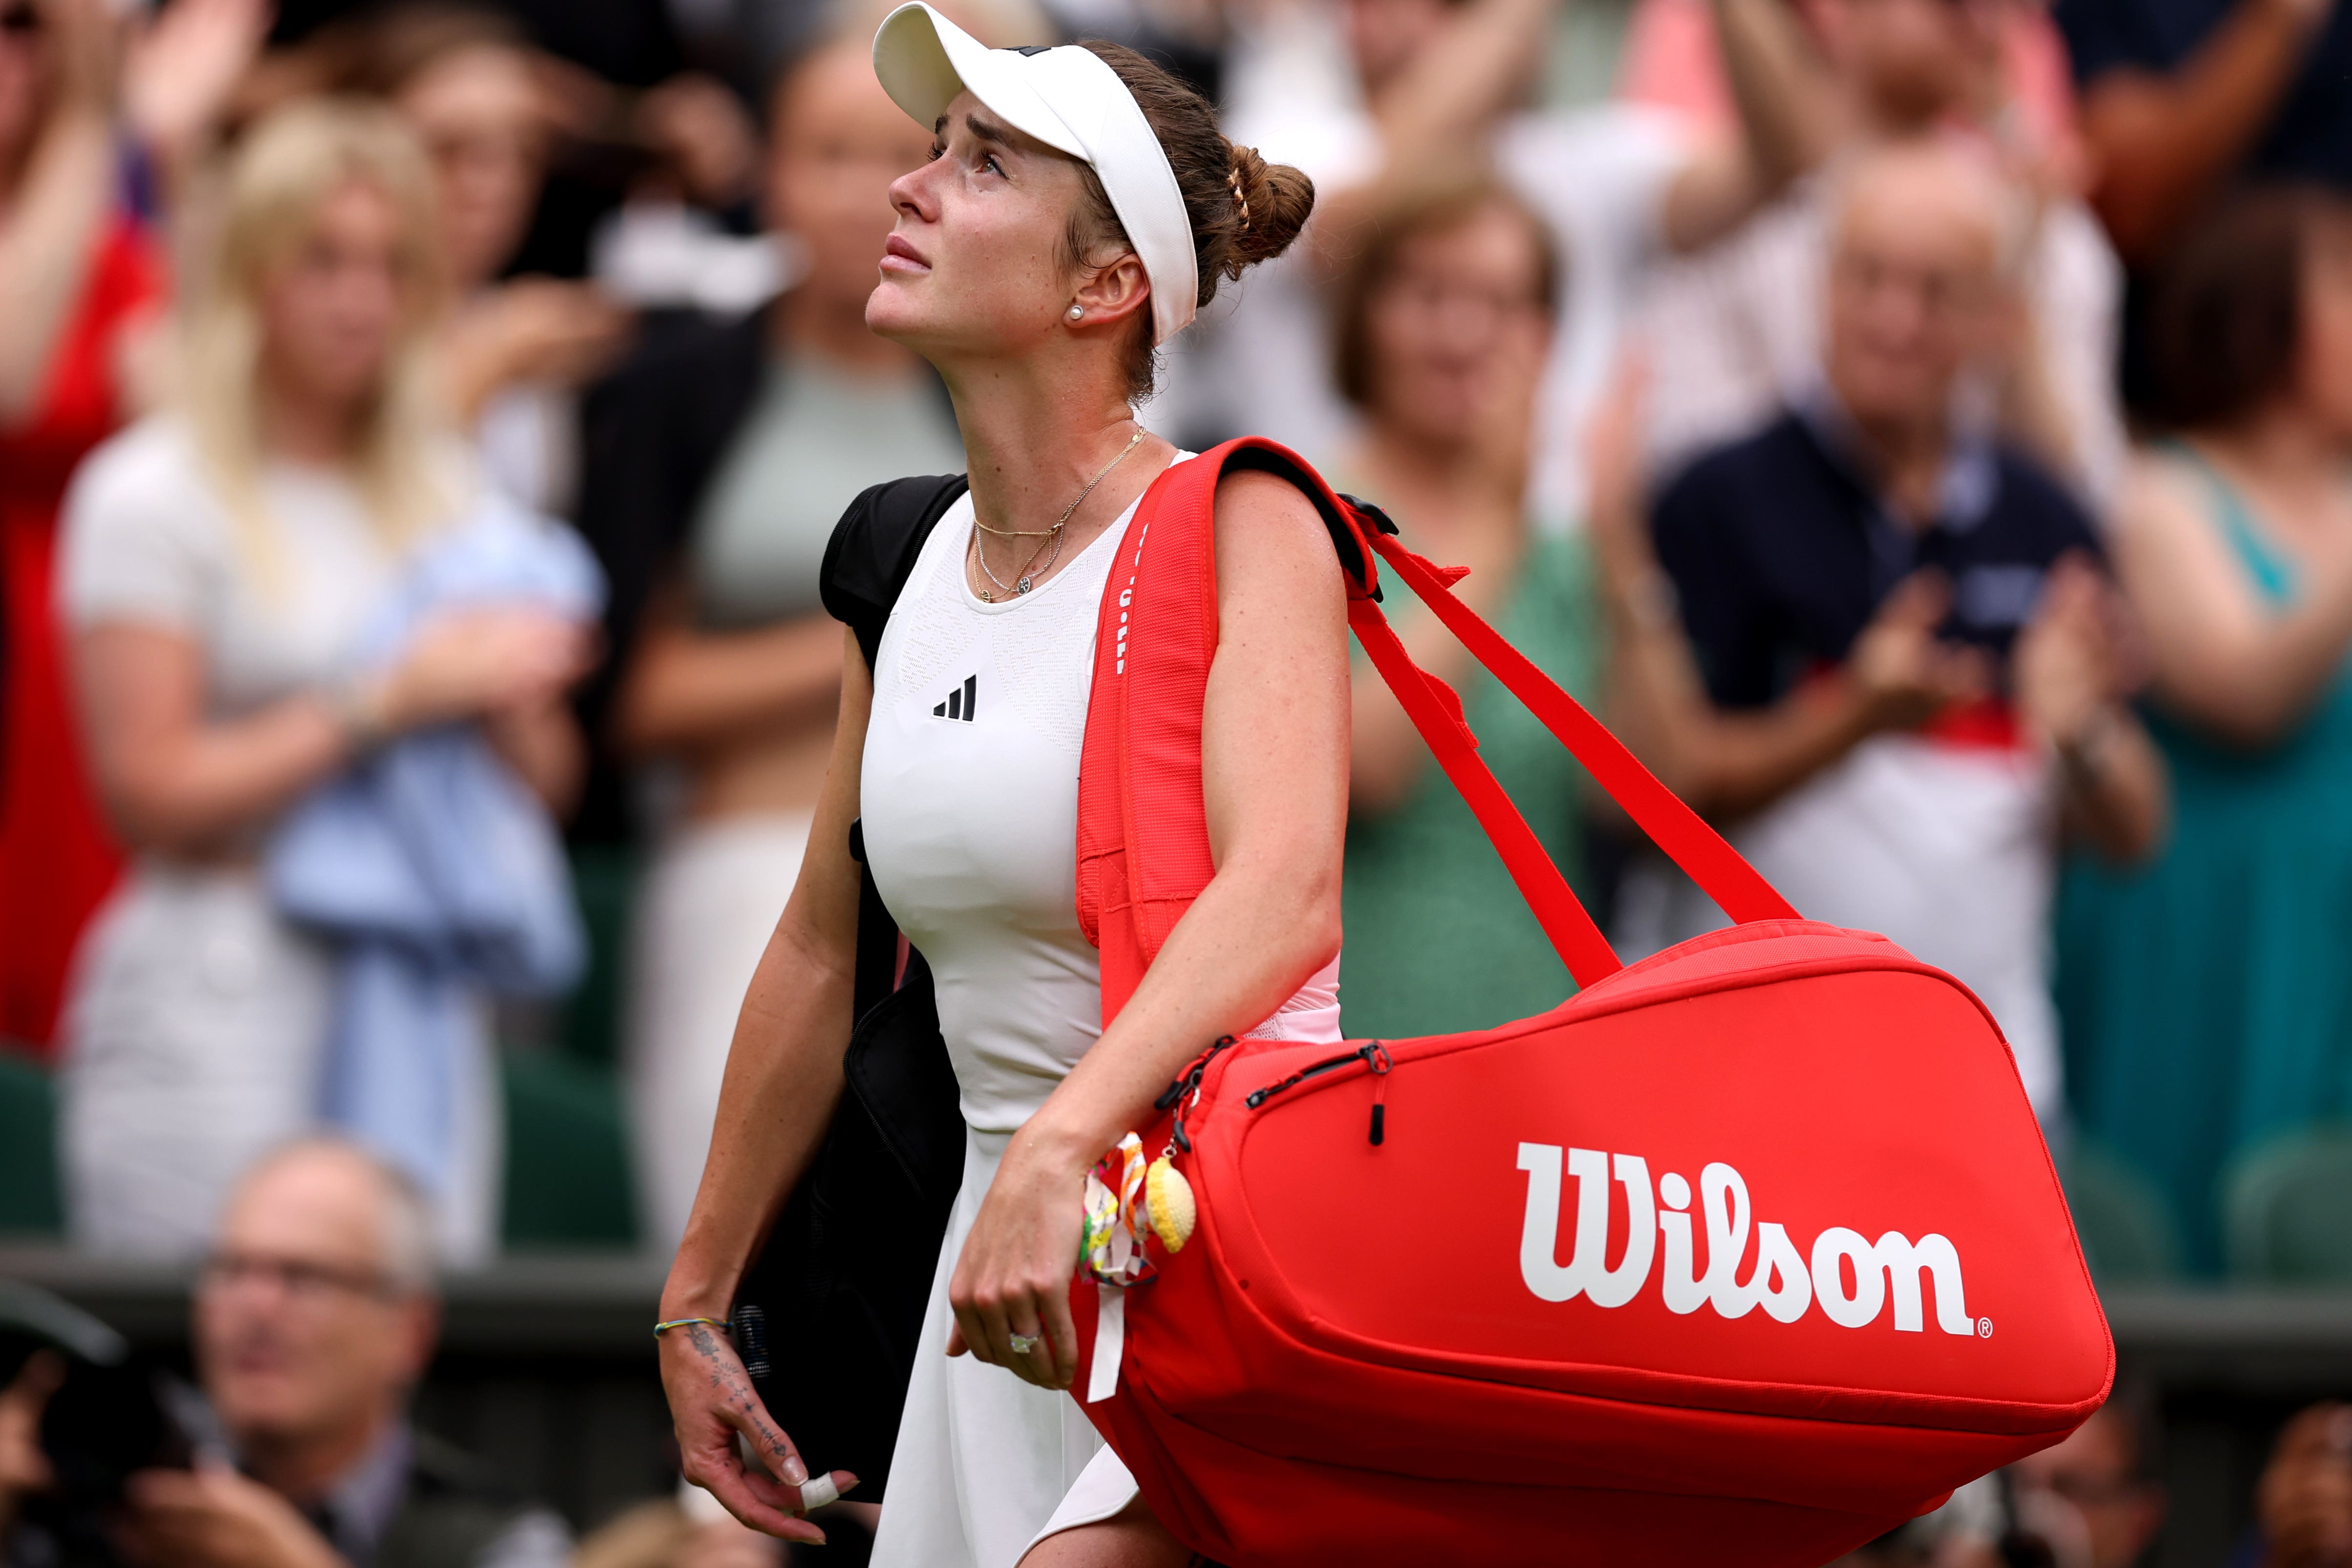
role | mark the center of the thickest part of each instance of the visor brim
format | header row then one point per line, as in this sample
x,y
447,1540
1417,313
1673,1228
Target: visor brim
x,y
923,60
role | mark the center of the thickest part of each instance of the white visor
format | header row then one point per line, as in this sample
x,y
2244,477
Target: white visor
x,y
1074,103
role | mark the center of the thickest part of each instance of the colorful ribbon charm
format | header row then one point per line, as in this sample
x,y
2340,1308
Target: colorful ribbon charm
x,y
1113,1249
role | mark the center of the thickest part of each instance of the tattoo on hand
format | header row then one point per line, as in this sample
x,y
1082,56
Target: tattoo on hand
x,y
727,1378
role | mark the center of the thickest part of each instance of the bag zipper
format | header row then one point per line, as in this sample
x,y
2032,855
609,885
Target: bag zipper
x,y
1374,1053
1188,1084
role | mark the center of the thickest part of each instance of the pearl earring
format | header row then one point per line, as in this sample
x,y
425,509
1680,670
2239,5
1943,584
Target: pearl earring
x,y
1078,313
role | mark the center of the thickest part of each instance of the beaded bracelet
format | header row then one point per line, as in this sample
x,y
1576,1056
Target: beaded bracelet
x,y
719,1323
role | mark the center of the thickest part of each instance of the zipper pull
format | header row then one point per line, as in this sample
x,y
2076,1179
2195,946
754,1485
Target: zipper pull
x,y
1190,1084
1190,1079
1376,1054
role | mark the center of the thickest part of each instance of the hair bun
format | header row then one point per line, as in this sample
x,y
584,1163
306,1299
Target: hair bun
x,y
1241,208
1271,204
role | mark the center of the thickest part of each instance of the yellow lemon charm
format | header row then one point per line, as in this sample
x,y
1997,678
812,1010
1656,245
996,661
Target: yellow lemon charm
x,y
1168,1199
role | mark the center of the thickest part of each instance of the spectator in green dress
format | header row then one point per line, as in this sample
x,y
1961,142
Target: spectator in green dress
x,y
1443,325
2206,997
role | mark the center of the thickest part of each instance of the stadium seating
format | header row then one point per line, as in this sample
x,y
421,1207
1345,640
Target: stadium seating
x,y
568,1182
30,1203
2286,1215
2127,1229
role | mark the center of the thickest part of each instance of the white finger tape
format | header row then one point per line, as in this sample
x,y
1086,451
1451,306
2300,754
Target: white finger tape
x,y
816,1491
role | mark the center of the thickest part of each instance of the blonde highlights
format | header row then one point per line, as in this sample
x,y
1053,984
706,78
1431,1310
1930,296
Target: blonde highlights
x,y
287,168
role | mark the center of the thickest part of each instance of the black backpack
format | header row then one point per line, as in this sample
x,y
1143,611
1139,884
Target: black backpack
x,y
828,1316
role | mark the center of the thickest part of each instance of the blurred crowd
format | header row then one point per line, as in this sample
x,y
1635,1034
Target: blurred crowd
x,y
314,1315
1920,427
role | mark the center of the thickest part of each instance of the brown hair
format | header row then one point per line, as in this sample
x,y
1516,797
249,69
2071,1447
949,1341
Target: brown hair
x,y
2226,322
1432,205
1243,209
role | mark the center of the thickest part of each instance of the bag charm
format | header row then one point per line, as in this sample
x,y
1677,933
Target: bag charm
x,y
1112,1248
1112,1239
1115,1223
1168,1201
1125,1200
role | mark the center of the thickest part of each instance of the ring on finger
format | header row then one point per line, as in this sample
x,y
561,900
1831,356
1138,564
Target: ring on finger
x,y
1022,1345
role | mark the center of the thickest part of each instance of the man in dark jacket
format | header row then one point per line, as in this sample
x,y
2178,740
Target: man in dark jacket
x,y
314,1318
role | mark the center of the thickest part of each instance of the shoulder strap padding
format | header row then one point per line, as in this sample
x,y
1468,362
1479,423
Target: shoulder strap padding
x,y
1143,846
873,549
1265,457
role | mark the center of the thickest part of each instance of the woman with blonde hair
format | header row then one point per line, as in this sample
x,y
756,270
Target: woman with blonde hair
x,y
223,565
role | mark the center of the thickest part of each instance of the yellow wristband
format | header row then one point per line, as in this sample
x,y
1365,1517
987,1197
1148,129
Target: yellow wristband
x,y
719,1323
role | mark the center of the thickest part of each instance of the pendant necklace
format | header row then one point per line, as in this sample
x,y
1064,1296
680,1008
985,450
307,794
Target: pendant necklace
x,y
1027,578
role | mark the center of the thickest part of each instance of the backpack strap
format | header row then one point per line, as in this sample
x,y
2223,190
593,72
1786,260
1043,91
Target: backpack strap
x,y
873,550
868,561
1143,849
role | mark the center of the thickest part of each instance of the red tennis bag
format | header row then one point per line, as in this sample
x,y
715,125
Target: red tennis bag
x,y
1746,1253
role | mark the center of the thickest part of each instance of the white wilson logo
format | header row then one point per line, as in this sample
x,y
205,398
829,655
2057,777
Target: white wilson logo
x,y
1126,600
1783,1281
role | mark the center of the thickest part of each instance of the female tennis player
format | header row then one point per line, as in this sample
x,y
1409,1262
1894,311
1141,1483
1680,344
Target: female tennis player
x,y
1079,206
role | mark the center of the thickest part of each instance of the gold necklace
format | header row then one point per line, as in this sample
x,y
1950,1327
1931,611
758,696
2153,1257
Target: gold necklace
x,y
1025,579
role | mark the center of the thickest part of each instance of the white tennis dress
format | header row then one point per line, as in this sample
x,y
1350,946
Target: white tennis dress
x,y
969,796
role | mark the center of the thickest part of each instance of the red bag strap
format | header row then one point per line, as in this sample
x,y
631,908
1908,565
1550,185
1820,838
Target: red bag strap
x,y
1142,833
1721,872
1436,711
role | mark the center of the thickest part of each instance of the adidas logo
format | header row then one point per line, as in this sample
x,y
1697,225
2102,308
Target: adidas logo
x,y
961,704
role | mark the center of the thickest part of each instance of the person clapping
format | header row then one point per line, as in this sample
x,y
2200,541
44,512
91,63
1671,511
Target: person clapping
x,y
225,564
